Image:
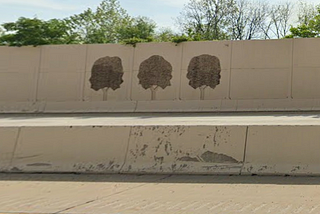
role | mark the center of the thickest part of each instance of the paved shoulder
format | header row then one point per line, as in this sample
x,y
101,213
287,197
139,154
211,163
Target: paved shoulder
x,y
114,194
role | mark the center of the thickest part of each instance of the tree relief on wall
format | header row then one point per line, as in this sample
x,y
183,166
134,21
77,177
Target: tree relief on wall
x,y
154,73
106,73
204,71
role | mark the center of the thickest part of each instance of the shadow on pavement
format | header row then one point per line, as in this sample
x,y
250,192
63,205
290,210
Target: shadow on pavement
x,y
175,179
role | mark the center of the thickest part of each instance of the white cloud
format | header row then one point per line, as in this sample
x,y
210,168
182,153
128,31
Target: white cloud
x,y
48,4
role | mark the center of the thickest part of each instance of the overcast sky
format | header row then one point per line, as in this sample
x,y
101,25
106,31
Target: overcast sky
x,y
161,11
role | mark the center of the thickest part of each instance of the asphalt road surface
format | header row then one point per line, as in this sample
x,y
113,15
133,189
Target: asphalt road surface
x,y
148,194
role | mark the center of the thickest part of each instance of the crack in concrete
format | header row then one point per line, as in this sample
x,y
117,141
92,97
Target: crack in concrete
x,y
245,150
127,150
15,147
117,193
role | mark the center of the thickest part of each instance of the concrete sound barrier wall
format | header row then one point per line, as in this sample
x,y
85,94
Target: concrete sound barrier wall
x,y
270,75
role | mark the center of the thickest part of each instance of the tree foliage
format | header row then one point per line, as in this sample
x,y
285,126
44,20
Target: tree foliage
x,y
108,23
35,32
198,20
207,19
309,27
101,25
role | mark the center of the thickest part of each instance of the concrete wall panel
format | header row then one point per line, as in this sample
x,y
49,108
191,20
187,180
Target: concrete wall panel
x,y
219,49
61,73
8,138
17,87
18,73
306,83
306,72
262,54
63,58
186,149
95,52
60,87
71,149
19,60
292,150
170,53
306,53
260,83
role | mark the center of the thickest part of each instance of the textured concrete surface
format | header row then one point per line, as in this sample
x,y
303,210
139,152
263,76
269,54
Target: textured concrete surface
x,y
124,194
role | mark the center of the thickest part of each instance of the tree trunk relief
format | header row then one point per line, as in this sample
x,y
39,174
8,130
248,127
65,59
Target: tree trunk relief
x,y
105,94
153,92
202,88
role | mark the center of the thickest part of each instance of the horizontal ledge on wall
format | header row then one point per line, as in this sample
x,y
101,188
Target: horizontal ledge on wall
x,y
162,106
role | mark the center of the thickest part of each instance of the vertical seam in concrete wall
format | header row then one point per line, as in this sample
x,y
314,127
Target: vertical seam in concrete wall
x,y
181,64
85,74
131,79
230,69
291,72
245,149
127,150
15,147
132,71
38,76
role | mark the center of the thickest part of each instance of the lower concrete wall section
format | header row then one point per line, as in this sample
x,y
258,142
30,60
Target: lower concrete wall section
x,y
228,150
281,150
145,149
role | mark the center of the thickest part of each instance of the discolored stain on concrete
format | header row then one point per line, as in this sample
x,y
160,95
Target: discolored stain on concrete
x,y
101,167
27,157
211,157
15,169
187,158
159,159
143,150
168,148
39,164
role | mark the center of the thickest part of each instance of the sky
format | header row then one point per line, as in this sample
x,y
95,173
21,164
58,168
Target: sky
x,y
163,12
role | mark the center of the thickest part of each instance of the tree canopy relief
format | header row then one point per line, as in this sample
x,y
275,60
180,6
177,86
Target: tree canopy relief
x,y
155,72
204,71
106,74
